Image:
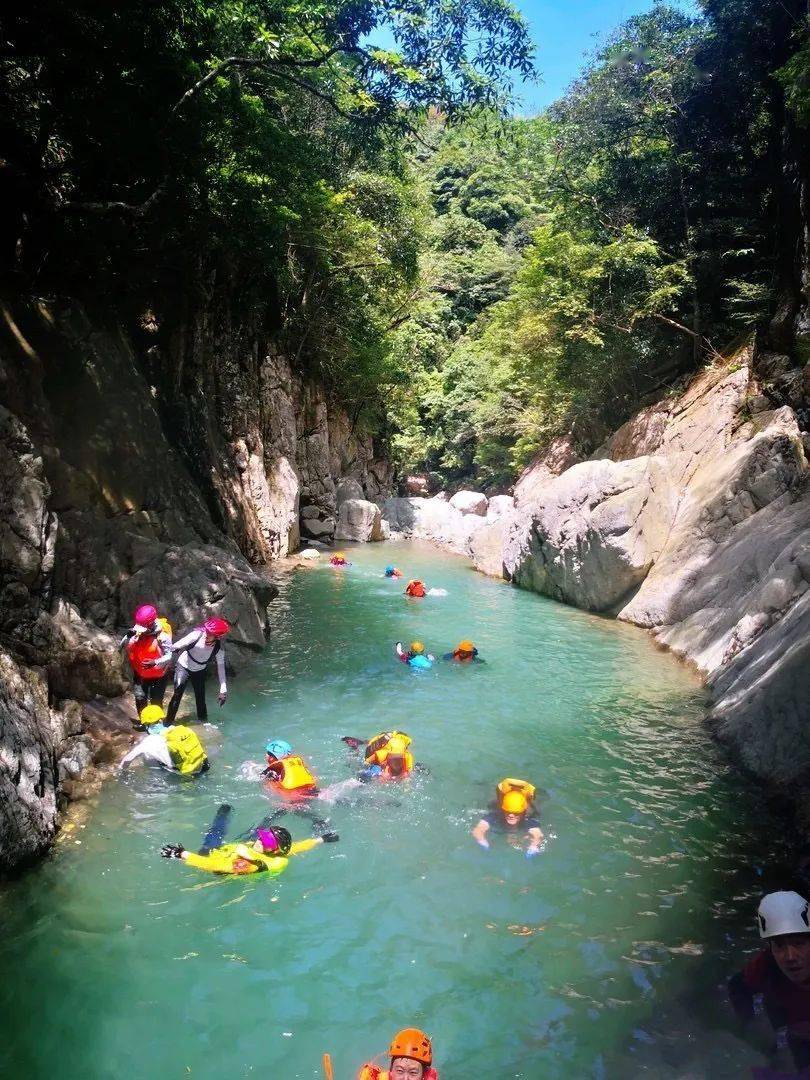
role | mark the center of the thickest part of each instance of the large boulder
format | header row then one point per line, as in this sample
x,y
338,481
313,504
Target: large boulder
x,y
348,488
593,533
470,502
485,547
359,520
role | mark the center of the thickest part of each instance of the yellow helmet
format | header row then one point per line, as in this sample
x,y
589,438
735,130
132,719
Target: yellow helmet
x,y
514,802
417,647
465,646
152,714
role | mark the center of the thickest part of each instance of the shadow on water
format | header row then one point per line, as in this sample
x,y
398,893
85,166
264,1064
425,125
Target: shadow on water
x,y
600,957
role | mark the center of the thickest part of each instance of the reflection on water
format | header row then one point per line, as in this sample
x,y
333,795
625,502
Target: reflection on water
x,y
600,957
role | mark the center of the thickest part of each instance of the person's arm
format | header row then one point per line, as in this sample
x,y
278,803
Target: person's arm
x,y
300,846
189,641
480,833
223,686
166,654
741,998
400,651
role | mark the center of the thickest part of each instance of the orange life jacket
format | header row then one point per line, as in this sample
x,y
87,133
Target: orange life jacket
x,y
146,647
376,1072
415,588
294,775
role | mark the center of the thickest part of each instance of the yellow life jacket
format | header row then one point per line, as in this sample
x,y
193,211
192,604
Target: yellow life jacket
x,y
377,749
188,753
165,625
523,786
238,859
295,775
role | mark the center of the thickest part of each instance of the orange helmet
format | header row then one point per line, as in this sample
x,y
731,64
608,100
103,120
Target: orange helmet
x,y
465,646
412,1043
514,802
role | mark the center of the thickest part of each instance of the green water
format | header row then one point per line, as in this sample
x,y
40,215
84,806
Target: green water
x,y
600,957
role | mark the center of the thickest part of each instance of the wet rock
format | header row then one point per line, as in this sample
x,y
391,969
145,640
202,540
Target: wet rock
x,y
432,519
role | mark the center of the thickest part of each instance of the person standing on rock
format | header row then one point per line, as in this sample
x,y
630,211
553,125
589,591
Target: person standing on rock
x,y
149,649
196,651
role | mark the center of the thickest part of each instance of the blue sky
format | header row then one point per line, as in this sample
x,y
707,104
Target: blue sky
x,y
564,32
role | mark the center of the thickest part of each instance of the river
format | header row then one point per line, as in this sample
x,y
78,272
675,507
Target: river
x,y
601,957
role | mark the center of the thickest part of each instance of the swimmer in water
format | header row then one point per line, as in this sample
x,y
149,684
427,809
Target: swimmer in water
x,y
411,1054
414,656
465,653
512,812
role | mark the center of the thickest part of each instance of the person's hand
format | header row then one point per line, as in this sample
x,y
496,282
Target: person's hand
x,y
482,842
330,837
172,851
223,697
531,852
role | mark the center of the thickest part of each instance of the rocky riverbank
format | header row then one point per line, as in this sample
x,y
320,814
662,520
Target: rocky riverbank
x,y
167,464
693,521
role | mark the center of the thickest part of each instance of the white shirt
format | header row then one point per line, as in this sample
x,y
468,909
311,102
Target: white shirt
x,y
195,654
154,749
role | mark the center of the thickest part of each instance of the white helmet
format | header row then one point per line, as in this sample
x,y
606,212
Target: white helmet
x,y
783,913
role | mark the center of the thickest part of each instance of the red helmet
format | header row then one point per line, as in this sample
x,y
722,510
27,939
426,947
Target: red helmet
x,y
145,615
216,626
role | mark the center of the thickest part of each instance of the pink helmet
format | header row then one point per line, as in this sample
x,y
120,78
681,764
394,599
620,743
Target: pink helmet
x,y
145,615
216,626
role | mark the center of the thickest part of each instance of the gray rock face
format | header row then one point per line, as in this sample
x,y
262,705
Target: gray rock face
x,y
360,520
432,519
470,502
126,478
693,520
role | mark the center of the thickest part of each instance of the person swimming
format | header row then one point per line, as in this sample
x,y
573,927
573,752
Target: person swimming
x,y
286,772
416,588
415,656
339,559
392,572
513,811
411,1054
465,653
265,850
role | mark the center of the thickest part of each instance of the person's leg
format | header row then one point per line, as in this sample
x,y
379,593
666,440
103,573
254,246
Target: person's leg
x,y
139,692
198,682
180,680
157,690
216,834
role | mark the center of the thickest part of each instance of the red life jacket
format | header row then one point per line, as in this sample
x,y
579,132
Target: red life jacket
x,y
415,588
146,647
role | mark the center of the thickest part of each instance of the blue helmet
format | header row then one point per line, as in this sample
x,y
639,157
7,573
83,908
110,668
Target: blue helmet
x,y
278,748
389,571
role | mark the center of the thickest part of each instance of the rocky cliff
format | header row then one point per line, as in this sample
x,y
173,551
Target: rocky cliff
x,y
155,463
693,521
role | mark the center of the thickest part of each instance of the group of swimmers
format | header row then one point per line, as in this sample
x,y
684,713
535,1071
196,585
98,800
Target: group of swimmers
x,y
778,977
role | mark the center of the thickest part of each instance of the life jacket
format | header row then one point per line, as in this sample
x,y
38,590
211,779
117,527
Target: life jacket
x,y
523,786
294,775
188,753
376,1072
229,859
147,647
415,588
377,749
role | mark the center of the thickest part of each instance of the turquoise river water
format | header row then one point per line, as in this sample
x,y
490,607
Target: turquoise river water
x,y
601,957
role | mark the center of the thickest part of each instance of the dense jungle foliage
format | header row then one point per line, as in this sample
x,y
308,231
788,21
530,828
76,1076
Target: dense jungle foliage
x,y
473,283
